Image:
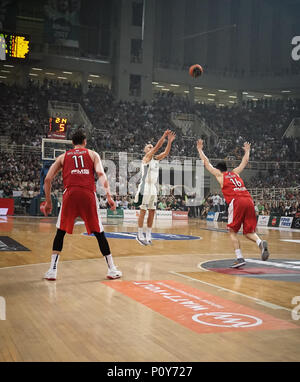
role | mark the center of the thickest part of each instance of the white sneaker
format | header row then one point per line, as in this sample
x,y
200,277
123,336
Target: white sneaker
x,y
113,274
51,275
141,241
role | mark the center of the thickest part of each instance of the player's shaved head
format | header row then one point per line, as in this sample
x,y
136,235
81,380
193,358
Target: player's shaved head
x,y
148,147
78,137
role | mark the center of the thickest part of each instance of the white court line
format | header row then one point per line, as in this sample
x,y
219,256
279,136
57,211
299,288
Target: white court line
x,y
273,264
257,300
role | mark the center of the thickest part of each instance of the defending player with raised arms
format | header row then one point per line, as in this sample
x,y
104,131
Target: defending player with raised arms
x,y
241,207
78,167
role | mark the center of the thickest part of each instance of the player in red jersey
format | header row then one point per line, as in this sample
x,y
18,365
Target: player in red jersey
x,y
79,199
241,207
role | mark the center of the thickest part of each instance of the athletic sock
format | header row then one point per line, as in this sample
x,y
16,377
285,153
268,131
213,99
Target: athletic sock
x,y
54,261
140,233
258,241
110,262
238,254
148,233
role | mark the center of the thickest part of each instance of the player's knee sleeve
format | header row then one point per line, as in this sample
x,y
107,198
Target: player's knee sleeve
x,y
103,243
58,240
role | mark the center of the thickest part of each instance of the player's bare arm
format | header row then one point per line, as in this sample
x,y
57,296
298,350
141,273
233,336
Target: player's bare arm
x,y
245,159
217,173
102,177
154,150
53,171
164,154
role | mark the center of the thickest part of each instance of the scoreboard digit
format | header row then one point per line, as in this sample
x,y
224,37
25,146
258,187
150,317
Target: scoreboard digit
x,y
57,127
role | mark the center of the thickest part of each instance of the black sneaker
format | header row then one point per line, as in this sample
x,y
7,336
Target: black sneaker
x,y
264,250
238,263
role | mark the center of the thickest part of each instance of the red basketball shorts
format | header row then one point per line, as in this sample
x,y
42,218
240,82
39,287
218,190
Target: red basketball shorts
x,y
241,211
79,202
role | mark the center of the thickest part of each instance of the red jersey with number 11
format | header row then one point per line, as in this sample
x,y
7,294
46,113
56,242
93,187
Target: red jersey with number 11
x,y
78,169
233,187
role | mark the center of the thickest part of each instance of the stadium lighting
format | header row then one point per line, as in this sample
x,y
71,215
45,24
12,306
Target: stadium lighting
x,y
222,91
36,69
174,85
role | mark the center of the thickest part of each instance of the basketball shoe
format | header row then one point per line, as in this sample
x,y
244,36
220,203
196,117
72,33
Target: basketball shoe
x,y
140,240
238,263
113,273
51,274
264,250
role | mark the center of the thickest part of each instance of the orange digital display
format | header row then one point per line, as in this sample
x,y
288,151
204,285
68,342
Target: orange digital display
x,y
57,127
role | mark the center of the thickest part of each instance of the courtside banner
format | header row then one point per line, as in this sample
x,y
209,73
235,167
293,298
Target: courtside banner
x,y
286,221
163,215
263,220
131,214
180,215
118,213
210,216
274,221
103,213
7,205
296,223
196,309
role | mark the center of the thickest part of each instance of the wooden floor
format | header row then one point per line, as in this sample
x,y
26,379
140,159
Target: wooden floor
x,y
84,317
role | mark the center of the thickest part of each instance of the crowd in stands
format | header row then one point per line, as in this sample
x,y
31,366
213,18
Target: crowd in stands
x,y
128,126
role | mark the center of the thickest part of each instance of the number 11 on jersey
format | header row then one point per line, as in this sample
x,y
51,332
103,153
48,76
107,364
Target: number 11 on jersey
x,y
76,160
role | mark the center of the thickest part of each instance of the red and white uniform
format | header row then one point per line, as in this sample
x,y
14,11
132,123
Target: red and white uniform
x,y
241,207
79,197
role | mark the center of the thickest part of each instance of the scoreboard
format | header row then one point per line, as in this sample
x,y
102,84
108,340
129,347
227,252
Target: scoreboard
x,y
14,46
57,127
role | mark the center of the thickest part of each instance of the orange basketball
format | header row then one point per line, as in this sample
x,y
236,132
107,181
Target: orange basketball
x,y
196,70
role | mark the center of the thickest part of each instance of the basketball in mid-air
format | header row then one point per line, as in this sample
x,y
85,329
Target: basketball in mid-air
x,y
196,70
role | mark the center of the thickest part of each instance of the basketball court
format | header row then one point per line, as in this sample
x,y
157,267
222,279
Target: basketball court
x,y
177,301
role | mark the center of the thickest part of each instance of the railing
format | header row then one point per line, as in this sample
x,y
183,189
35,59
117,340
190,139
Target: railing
x,y
270,195
113,155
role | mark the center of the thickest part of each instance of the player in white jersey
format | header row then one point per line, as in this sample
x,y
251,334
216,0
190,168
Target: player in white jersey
x,y
146,196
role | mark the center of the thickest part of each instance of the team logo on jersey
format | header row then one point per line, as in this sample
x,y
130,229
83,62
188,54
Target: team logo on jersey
x,y
155,236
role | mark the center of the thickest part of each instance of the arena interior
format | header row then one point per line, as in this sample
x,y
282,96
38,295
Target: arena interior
x,y
119,70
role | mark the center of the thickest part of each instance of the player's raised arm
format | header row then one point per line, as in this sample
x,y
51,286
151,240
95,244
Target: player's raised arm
x,y
158,145
171,137
217,173
245,159
53,171
103,179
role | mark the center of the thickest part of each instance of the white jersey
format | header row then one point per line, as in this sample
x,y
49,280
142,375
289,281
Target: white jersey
x,y
149,179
